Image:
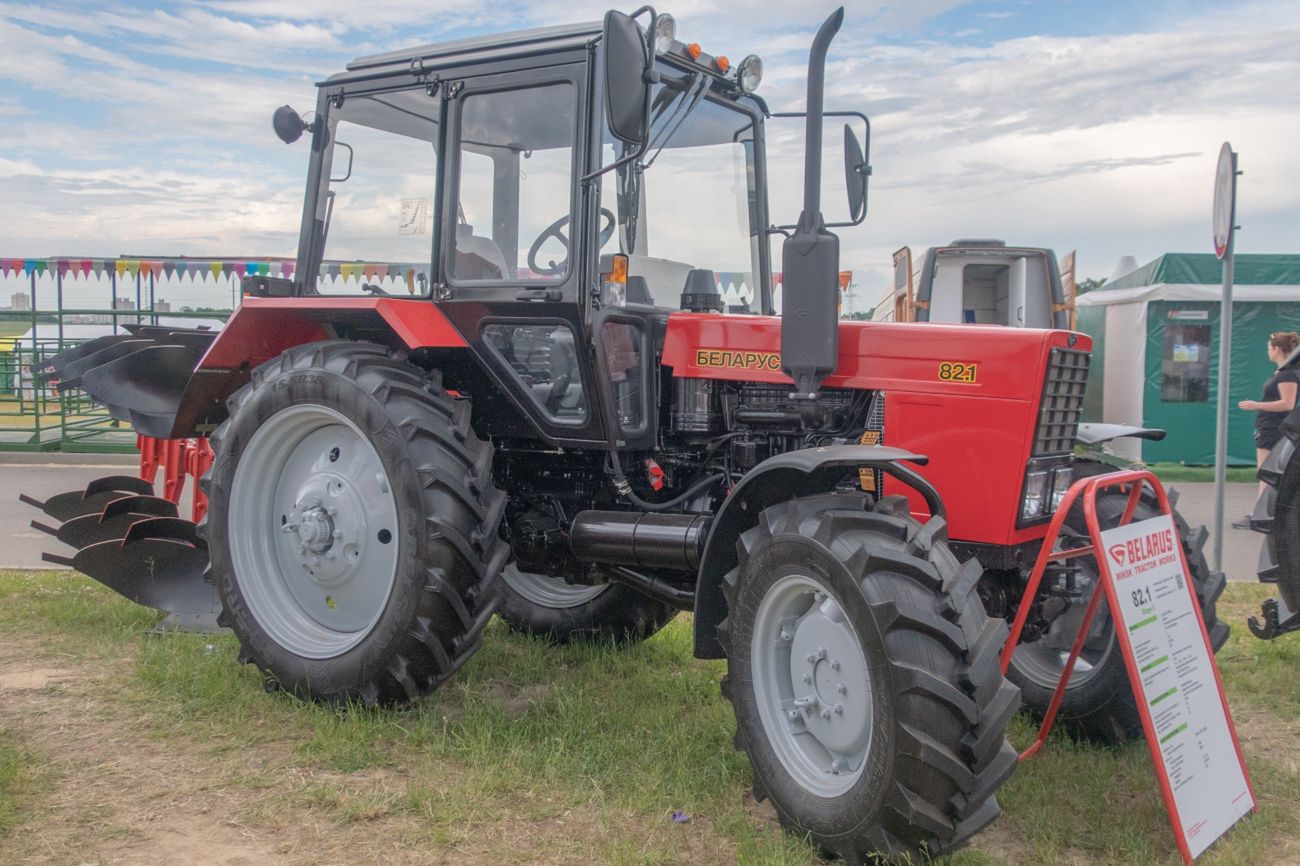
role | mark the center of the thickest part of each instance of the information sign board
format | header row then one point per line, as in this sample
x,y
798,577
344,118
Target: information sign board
x,y
1193,743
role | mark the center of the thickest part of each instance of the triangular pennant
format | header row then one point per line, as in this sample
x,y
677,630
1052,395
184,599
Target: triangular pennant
x,y
120,266
214,268
133,267
41,265
263,269
169,267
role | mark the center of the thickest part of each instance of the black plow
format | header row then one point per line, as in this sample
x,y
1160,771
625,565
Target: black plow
x,y
139,376
135,544
121,532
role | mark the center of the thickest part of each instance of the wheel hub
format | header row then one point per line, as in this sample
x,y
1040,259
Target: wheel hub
x,y
824,659
313,534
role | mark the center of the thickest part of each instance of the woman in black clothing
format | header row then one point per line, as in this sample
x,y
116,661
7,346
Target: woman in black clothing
x,y
1279,394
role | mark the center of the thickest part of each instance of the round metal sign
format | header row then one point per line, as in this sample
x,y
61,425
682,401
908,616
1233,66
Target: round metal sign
x,y
1225,189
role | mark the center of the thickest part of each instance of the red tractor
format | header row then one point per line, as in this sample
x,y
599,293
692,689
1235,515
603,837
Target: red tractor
x,y
502,380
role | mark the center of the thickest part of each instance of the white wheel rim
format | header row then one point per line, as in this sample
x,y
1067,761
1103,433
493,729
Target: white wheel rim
x,y
547,591
313,531
812,686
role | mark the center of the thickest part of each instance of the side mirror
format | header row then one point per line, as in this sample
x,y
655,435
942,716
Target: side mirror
x,y
856,172
288,124
627,92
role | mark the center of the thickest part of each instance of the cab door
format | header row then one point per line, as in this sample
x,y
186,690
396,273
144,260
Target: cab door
x,y
514,260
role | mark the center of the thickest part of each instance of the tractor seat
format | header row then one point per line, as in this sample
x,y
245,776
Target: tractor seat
x,y
477,257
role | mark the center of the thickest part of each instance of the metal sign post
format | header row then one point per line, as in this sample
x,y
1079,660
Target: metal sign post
x,y
1225,217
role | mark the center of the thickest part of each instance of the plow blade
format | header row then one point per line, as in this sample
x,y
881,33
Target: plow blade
x,y
139,376
133,543
98,494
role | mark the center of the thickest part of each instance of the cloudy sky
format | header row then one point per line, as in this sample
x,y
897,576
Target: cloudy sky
x,y
144,128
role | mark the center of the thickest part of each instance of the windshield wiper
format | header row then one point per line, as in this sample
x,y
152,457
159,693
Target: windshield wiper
x,y
691,96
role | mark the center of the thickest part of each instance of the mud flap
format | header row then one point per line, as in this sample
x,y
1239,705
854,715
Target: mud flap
x,y
140,376
133,543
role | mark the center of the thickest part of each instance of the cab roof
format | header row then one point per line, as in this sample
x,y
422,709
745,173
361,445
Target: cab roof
x,y
493,46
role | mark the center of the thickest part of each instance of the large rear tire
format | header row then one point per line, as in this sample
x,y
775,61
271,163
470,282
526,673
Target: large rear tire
x,y
864,677
550,608
352,525
1099,704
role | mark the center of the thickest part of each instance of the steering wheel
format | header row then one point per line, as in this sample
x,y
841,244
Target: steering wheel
x,y
554,268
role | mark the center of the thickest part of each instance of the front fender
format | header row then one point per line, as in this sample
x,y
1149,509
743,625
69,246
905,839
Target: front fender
x,y
777,479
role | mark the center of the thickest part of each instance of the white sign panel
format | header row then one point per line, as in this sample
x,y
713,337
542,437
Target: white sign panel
x,y
414,218
1188,727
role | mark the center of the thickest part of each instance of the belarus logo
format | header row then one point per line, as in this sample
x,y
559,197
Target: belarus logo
x,y
1117,553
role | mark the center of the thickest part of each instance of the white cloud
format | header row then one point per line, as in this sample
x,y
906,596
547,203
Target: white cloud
x,y
1105,141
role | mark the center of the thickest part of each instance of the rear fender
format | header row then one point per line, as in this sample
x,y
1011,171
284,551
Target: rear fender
x,y
786,476
264,328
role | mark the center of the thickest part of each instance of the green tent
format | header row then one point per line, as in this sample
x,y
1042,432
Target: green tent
x,y
1156,349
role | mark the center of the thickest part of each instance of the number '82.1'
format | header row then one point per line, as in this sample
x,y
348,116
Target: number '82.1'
x,y
956,371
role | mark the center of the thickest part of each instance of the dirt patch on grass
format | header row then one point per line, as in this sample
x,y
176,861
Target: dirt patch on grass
x,y
129,789
25,678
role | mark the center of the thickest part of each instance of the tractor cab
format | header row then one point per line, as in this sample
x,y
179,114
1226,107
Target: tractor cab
x,y
547,190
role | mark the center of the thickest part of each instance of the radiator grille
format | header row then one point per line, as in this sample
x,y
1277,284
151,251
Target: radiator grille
x,y
1058,415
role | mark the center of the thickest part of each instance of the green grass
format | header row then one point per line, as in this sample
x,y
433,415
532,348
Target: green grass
x,y
20,782
536,753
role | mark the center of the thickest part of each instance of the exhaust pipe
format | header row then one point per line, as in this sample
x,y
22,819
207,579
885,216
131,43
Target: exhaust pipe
x,y
645,539
810,258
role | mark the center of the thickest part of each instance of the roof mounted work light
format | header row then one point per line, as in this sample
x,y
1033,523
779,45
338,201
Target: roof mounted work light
x,y
749,73
665,32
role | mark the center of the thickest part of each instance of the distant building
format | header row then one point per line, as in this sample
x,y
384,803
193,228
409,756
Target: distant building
x,y
20,301
161,306
123,304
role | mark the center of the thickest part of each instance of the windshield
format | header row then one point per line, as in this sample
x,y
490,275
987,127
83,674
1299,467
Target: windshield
x,y
378,205
695,204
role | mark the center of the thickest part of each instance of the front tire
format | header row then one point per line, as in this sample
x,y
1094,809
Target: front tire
x,y
864,677
352,525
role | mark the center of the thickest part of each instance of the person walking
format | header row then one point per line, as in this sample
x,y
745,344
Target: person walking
x,y
1278,401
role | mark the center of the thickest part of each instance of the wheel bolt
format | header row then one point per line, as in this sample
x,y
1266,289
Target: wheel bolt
x,y
807,678
338,533
785,635
826,714
839,709
792,715
331,511
842,689
835,664
821,652
811,659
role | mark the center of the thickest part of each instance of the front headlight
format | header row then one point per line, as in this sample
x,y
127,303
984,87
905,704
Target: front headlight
x,y
1035,495
1061,480
749,74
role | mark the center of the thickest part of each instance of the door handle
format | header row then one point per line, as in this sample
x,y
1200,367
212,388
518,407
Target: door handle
x,y
538,295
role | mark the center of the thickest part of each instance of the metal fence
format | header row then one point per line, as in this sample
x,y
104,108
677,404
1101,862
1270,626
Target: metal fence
x,y
33,417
